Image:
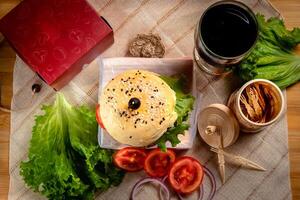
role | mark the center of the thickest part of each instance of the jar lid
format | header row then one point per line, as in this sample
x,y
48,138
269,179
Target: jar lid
x,y
218,126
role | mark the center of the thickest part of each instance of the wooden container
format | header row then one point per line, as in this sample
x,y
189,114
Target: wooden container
x,y
246,124
218,126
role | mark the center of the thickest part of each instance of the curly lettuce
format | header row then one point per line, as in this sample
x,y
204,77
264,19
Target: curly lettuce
x,y
65,160
272,57
184,104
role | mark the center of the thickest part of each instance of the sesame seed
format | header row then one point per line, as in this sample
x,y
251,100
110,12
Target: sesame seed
x,y
121,90
130,137
134,126
140,90
113,89
152,97
152,119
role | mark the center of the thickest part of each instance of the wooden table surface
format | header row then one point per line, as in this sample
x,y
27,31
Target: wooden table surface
x,y
290,9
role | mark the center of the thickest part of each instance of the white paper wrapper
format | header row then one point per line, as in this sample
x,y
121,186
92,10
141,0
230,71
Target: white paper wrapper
x,y
110,67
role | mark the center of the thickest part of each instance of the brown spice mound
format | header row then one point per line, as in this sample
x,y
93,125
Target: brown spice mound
x,y
149,46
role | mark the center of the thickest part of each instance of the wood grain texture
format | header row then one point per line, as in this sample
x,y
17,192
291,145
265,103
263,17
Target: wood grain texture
x,y
7,59
290,12
290,9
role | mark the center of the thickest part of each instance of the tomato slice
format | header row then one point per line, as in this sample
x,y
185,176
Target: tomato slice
x,y
158,163
186,175
98,117
130,159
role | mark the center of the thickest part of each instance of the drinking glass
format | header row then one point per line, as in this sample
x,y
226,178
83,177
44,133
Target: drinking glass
x,y
214,63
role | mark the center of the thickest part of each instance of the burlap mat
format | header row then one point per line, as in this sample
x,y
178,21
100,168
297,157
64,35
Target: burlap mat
x,y
174,21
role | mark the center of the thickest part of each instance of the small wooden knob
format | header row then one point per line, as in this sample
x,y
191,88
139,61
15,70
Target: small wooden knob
x,y
217,118
210,130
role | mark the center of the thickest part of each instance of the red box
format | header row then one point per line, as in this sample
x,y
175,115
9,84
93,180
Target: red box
x,y
56,37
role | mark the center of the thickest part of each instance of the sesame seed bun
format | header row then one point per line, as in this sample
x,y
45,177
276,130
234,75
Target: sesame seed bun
x,y
153,113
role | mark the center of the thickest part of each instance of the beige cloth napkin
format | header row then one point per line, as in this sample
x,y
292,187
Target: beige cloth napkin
x,y
174,21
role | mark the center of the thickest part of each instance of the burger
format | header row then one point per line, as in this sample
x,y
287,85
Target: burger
x,y
141,108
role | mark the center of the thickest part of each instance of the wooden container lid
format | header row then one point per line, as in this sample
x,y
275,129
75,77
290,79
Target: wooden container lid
x,y
218,118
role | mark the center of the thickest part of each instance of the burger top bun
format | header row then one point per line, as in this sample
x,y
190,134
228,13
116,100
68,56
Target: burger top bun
x,y
137,107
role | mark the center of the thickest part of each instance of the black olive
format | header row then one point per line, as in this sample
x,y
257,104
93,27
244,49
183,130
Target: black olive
x,y
134,103
36,88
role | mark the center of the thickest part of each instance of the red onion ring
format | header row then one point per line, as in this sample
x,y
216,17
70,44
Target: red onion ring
x,y
201,190
149,180
212,181
200,196
160,190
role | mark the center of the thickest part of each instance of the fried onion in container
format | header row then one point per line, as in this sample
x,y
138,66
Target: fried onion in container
x,y
257,101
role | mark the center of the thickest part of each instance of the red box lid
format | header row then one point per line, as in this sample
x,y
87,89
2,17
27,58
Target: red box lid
x,y
52,35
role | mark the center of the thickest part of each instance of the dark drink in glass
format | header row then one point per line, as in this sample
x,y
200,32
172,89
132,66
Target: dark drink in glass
x,y
225,34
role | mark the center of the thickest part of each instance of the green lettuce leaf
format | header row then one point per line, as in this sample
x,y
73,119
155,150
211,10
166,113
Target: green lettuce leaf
x,y
184,104
172,136
272,57
65,161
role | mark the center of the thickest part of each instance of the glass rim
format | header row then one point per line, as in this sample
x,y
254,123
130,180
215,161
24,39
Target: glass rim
x,y
233,2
